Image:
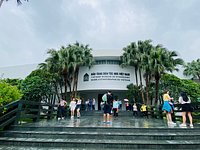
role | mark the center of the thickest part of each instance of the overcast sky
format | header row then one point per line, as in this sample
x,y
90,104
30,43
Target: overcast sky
x,y
29,30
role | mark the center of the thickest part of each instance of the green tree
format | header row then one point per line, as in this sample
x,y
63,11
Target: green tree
x,y
177,85
192,69
132,93
162,61
53,67
35,88
51,91
146,47
13,82
130,58
64,65
8,93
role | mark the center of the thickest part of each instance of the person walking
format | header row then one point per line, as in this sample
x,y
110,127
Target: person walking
x,y
108,100
167,108
185,101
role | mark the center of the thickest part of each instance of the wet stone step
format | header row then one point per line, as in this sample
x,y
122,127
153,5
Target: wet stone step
x,y
5,147
108,129
85,143
106,135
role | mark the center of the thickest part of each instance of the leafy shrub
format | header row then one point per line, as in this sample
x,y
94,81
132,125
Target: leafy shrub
x,y
8,93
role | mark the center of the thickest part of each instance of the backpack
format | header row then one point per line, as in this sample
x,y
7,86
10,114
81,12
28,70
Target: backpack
x,y
104,98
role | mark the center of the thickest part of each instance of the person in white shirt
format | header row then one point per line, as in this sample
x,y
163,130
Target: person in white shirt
x,y
135,110
72,107
93,104
185,101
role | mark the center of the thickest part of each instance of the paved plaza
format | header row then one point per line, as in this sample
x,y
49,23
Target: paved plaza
x,y
120,122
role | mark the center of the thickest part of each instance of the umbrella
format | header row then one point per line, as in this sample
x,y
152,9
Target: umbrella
x,y
126,100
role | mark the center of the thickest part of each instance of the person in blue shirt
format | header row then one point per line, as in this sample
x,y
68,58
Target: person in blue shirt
x,y
115,107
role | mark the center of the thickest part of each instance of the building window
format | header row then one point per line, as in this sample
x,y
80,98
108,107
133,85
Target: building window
x,y
100,62
86,77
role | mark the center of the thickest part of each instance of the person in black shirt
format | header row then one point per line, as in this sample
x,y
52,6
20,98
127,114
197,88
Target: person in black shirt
x,y
108,100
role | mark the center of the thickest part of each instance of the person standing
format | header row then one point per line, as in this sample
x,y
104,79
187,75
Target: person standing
x,y
78,107
167,108
127,106
115,108
108,100
144,110
90,104
135,110
87,105
93,104
62,105
185,101
72,106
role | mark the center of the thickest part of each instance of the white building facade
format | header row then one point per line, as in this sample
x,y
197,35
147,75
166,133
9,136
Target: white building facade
x,y
105,75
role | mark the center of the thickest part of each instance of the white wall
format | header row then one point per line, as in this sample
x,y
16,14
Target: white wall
x,y
101,82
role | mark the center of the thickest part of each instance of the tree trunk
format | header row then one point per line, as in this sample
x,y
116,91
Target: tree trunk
x,y
65,78
61,88
147,90
56,89
1,2
73,82
141,86
157,78
76,81
199,77
136,77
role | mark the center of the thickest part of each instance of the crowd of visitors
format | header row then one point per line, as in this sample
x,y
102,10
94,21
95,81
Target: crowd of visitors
x,y
112,105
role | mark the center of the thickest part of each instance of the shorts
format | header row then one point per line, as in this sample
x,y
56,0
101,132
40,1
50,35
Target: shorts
x,y
78,106
107,109
186,107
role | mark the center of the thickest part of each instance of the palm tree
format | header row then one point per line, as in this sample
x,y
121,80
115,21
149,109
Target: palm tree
x,y
82,57
163,60
128,58
192,69
18,2
145,65
51,65
132,57
64,66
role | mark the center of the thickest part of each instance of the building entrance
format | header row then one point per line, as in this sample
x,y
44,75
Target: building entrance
x,y
99,101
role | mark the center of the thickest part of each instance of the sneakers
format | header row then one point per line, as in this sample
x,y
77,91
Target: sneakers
x,y
183,125
191,125
171,123
59,118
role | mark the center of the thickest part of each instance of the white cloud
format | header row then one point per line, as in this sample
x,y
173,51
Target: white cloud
x,y
91,3
29,30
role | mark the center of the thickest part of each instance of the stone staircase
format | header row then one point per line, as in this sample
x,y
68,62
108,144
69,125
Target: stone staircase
x,y
92,133
100,137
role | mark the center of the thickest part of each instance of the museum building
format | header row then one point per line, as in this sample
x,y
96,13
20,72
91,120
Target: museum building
x,y
105,75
